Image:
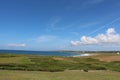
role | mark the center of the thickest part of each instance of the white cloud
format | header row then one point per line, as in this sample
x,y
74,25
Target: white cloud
x,y
110,37
46,38
75,43
16,45
110,31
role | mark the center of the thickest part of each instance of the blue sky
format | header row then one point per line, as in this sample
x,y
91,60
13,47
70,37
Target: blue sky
x,y
60,24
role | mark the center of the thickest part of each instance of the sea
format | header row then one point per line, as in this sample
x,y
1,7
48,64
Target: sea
x,y
43,53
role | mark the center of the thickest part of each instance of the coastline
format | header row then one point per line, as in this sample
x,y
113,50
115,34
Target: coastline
x,y
85,55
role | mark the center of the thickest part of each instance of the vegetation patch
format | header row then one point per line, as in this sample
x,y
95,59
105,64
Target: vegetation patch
x,y
54,64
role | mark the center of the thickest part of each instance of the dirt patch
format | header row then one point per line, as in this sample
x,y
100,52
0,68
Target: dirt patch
x,y
108,58
58,58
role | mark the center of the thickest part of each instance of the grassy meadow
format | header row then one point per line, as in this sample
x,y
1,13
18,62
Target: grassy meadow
x,y
32,67
66,75
55,64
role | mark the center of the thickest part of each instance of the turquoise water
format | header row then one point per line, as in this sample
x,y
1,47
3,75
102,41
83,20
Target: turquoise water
x,y
44,53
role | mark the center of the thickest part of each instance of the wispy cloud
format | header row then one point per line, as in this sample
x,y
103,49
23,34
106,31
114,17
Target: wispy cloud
x,y
110,37
89,24
54,22
92,2
16,45
75,33
46,38
52,25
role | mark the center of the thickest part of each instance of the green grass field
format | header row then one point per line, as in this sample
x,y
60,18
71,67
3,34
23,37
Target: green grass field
x,y
32,67
66,75
54,64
